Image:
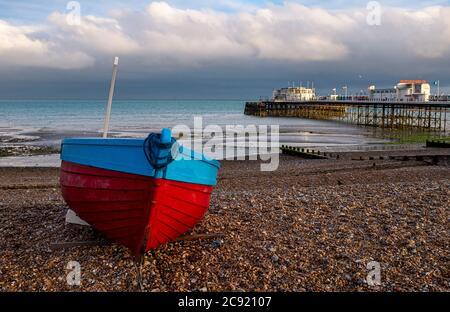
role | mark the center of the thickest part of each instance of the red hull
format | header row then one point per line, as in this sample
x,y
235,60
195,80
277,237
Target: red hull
x,y
138,212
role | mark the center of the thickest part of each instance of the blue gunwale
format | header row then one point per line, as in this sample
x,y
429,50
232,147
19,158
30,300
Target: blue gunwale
x,y
127,155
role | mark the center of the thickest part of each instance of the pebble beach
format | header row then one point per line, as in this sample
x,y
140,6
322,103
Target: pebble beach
x,y
312,225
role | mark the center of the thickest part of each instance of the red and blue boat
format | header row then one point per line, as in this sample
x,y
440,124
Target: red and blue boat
x,y
140,193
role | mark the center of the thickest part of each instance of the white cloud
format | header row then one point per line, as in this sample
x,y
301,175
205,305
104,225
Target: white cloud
x,y
426,32
168,36
94,35
19,48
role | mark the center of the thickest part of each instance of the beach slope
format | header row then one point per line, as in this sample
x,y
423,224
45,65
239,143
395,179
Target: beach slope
x,y
312,225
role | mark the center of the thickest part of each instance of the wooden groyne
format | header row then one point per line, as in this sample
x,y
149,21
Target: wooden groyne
x,y
438,143
429,156
304,152
401,115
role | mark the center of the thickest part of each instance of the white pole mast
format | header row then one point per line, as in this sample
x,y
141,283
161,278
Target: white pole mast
x,y
110,98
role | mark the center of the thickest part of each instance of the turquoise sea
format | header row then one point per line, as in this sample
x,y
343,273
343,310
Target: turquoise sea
x,y
127,116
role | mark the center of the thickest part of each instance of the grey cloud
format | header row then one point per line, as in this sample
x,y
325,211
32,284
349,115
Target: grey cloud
x,y
261,47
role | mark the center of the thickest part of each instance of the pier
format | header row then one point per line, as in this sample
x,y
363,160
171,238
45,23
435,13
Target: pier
x,y
384,114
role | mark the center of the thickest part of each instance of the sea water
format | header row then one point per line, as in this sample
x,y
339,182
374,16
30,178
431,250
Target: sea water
x,y
48,121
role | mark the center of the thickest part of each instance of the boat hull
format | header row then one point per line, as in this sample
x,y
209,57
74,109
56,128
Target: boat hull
x,y
139,212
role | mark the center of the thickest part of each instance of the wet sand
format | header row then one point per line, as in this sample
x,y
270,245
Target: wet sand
x,y
16,142
313,225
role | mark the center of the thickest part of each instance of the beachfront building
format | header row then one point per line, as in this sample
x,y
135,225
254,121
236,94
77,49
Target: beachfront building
x,y
294,94
414,90
404,91
382,94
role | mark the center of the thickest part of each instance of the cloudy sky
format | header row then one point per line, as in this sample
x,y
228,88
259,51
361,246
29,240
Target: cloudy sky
x,y
235,49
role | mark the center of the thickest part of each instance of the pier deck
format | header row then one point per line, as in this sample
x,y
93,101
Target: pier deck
x,y
420,115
